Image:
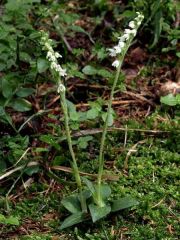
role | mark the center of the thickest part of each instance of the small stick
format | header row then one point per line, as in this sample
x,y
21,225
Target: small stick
x,y
7,174
69,170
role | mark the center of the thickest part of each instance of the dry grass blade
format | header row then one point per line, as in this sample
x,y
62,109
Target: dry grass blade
x,y
69,170
7,174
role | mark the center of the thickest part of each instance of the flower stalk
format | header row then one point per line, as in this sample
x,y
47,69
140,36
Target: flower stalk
x,y
58,72
118,51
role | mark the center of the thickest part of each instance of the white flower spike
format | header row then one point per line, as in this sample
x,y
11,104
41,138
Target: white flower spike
x,y
116,63
125,39
52,57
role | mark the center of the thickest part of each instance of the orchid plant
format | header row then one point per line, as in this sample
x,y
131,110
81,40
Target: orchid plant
x,y
93,201
58,72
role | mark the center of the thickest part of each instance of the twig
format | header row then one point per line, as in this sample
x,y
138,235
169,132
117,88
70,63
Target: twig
x,y
158,203
7,174
117,102
99,130
69,170
138,96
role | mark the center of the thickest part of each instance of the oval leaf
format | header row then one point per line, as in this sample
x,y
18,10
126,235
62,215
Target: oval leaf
x,y
99,212
21,105
42,65
72,204
92,113
89,184
89,70
105,191
169,100
7,90
123,203
72,220
25,92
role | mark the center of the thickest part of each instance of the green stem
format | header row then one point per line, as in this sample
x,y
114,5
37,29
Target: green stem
x,y
105,127
74,162
101,158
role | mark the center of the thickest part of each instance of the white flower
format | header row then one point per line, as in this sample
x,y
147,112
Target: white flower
x,y
127,31
48,46
132,24
61,88
116,63
61,71
121,44
50,56
134,31
138,23
112,52
117,49
57,55
122,38
58,68
125,39
126,36
54,66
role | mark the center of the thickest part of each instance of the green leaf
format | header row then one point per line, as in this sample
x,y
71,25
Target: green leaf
x,y
2,165
86,194
25,57
110,119
89,70
42,65
104,73
178,54
178,99
12,221
9,220
73,115
158,20
123,203
32,170
98,212
2,112
169,100
105,191
92,113
24,92
5,117
71,106
21,105
83,141
72,220
2,218
40,149
72,204
48,138
7,90
89,184
77,29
